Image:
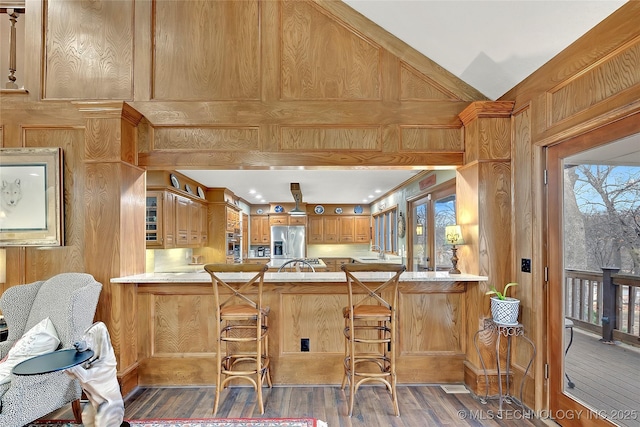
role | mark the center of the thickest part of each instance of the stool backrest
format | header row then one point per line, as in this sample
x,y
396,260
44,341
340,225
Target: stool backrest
x,y
239,290
357,282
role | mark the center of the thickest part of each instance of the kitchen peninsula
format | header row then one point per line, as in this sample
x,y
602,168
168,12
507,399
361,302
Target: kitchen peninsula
x,y
172,335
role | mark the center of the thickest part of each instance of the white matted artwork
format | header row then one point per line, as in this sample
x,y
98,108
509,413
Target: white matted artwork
x,y
30,197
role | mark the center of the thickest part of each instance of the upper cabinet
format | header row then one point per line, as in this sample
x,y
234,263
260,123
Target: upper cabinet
x,y
174,218
338,229
260,230
174,221
160,231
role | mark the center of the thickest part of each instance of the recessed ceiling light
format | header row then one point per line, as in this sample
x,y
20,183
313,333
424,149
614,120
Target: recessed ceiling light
x,y
252,191
378,191
258,196
371,196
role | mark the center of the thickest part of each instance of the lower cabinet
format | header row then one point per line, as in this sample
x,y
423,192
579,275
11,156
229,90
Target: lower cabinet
x,y
335,264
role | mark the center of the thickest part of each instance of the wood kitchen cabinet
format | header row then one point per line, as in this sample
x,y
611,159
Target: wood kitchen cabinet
x,y
179,221
260,230
338,229
331,229
225,219
278,219
182,221
160,223
335,264
362,229
298,220
315,230
346,224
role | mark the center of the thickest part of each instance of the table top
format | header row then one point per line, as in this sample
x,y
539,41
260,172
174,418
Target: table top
x,y
51,362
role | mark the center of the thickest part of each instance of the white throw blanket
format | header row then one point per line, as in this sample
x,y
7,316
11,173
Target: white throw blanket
x,y
99,381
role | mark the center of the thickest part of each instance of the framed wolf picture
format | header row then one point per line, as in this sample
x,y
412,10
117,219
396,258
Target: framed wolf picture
x,y
30,197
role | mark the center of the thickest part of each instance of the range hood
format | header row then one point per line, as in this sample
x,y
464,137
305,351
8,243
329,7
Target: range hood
x,y
297,197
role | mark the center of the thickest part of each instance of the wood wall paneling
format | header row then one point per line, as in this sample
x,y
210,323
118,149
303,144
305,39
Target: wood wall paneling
x,y
206,50
334,139
322,59
415,85
425,138
176,342
69,257
617,72
237,138
88,50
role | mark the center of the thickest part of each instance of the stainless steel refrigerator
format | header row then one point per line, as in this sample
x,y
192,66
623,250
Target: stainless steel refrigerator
x,y
288,241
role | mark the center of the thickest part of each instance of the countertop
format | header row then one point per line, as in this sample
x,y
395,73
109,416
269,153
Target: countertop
x,y
407,276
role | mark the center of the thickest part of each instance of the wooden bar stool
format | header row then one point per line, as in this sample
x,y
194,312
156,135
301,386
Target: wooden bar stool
x,y
371,328
242,330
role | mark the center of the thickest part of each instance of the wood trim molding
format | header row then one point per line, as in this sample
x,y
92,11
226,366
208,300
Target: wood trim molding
x,y
484,109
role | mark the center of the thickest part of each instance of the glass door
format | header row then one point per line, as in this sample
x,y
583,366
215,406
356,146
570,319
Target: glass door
x,y
420,254
593,188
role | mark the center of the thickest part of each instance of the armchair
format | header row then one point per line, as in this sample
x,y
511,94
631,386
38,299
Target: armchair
x,y
69,300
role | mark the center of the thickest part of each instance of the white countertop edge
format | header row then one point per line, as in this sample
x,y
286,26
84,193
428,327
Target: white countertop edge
x,y
408,276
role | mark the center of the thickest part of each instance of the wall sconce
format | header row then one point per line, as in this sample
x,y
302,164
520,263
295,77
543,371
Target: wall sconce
x,y
453,235
419,228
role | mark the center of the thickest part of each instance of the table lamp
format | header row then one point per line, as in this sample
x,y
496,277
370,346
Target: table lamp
x,y
453,235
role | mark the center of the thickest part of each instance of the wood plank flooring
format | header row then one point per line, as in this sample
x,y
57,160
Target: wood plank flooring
x,y
419,406
606,377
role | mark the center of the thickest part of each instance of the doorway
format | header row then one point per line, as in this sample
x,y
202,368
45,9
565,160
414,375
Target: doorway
x,y
429,214
588,380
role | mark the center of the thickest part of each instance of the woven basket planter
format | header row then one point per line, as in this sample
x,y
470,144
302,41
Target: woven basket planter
x,y
505,312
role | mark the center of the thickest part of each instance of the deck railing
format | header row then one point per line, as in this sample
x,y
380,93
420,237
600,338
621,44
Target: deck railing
x,y
605,302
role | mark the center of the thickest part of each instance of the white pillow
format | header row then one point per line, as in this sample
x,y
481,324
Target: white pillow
x,y
40,339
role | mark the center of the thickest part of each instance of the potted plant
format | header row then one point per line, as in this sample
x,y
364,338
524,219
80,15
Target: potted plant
x,y
504,309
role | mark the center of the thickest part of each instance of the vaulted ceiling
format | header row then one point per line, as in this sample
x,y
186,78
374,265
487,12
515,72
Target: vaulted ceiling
x,y
490,44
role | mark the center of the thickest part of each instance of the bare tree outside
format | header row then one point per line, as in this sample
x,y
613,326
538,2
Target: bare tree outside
x,y
605,227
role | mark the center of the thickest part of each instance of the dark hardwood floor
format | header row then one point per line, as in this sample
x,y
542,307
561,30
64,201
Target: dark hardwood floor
x,y
419,406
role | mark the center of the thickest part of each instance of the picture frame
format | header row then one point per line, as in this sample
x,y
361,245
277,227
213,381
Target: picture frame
x,y
31,210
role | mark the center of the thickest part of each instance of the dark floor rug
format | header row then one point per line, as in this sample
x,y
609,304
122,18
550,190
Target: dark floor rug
x,y
218,422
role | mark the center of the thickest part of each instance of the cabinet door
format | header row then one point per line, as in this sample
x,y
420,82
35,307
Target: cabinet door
x,y
331,230
260,230
316,233
298,220
204,225
182,221
169,220
362,229
279,219
346,229
265,230
233,220
194,223
340,262
154,219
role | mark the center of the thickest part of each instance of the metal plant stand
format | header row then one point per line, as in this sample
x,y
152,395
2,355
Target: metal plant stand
x,y
508,331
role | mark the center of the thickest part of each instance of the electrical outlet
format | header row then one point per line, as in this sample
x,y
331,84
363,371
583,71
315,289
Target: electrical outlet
x,y
304,344
526,265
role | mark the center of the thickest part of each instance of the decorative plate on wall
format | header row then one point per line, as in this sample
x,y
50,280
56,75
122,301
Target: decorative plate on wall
x,y
402,225
188,189
174,181
338,211
200,193
358,209
259,211
278,209
319,209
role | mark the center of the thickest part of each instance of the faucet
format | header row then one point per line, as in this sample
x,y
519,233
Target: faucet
x,y
381,255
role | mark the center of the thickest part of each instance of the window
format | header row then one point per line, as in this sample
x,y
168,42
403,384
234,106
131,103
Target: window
x,y
386,230
429,214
